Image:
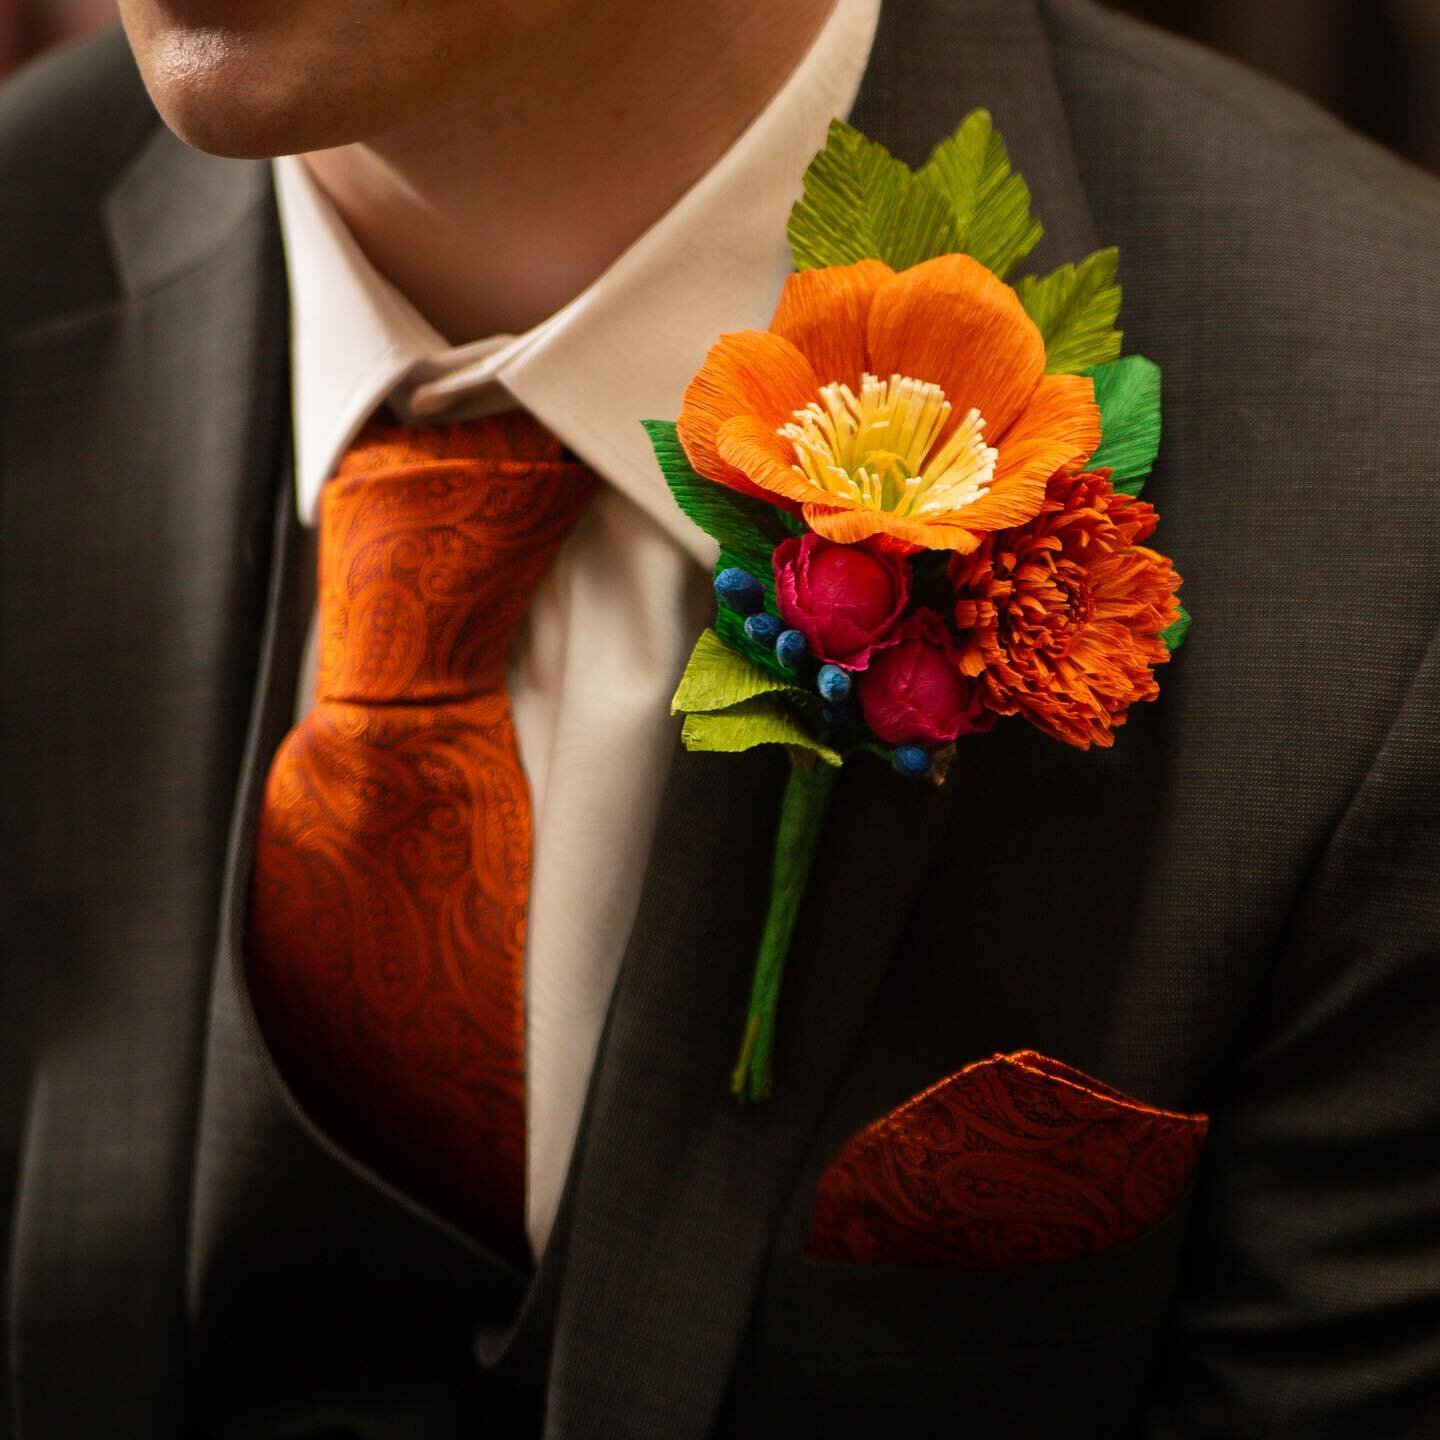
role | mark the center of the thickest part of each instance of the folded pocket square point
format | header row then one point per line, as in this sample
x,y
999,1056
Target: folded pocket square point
x,y
1014,1160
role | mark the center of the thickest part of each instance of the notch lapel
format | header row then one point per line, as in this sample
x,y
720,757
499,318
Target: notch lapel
x,y
679,1185
148,429
679,1188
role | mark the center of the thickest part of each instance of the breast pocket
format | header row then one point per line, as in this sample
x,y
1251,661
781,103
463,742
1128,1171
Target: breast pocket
x,y
841,1348
1013,1161
1064,1348
1012,1205
844,1312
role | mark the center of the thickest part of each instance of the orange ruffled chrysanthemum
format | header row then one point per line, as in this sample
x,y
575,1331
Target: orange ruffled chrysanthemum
x,y
1065,613
911,405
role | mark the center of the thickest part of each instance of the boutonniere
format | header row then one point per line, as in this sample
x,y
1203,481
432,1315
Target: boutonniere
x,y
923,480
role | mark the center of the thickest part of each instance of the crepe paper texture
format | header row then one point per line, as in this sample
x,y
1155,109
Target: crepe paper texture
x,y
1174,634
989,202
1128,394
1075,310
731,704
923,481
803,809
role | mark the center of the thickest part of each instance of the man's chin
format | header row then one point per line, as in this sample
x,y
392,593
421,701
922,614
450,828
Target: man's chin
x,y
240,133
226,95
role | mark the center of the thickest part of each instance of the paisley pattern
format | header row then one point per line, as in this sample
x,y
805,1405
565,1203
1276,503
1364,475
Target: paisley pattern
x,y
387,919
1016,1160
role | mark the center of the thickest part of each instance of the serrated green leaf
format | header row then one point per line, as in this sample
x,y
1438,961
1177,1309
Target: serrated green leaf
x,y
990,203
765,720
1128,394
861,203
749,529
716,678
1075,309
1174,635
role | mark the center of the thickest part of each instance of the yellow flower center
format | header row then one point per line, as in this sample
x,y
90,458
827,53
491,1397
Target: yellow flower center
x,y
874,449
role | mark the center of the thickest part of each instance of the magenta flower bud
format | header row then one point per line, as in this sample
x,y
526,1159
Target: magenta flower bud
x,y
915,694
844,599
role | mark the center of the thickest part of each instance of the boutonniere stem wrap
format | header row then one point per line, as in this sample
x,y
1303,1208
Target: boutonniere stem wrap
x,y
803,808
924,481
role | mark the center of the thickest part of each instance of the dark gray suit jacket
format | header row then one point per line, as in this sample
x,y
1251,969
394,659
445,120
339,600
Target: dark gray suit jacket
x,y
1236,910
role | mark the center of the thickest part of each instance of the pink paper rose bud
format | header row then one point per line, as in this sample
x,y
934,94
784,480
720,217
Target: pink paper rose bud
x,y
914,693
844,599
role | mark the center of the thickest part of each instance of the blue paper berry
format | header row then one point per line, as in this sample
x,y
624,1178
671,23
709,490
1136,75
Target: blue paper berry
x,y
913,760
791,648
833,683
740,590
764,629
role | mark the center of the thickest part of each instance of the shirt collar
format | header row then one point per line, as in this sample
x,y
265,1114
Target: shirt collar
x,y
623,350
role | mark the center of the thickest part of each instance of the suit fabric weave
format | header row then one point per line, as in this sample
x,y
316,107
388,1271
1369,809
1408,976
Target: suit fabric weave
x,y
1234,911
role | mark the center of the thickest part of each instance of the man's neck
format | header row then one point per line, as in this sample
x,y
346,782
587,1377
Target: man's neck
x,y
491,215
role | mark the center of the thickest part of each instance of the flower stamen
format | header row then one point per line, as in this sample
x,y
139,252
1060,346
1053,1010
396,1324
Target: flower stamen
x,y
874,449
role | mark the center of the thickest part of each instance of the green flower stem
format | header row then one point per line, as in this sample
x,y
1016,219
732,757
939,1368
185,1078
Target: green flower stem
x,y
803,808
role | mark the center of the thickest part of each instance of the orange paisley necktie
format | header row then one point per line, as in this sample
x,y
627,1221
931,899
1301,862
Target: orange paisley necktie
x,y
392,868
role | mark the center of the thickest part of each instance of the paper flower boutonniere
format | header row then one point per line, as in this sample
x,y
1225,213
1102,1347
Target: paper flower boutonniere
x,y
923,480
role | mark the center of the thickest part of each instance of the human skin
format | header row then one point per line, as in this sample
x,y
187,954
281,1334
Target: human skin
x,y
491,157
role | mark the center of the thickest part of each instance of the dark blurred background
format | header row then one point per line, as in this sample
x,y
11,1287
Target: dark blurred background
x,y
1374,62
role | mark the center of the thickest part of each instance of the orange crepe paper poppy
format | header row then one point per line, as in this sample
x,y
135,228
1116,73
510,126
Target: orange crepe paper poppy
x,y
911,405
1064,614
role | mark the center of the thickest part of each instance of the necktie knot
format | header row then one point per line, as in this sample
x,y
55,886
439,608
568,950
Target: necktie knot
x,y
432,541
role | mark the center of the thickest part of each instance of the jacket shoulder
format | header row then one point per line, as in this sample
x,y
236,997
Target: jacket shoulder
x,y
1285,275
1159,117
1288,269
70,125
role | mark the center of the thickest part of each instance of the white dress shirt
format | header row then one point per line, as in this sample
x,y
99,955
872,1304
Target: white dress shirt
x,y
612,623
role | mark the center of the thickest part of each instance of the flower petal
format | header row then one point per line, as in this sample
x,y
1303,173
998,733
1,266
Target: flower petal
x,y
951,322
750,372
823,313
753,450
1060,426
848,525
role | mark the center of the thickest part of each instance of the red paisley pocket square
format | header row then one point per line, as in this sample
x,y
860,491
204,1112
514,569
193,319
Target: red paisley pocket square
x,y
1016,1160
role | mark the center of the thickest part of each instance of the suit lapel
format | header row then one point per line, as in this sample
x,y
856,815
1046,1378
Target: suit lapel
x,y
678,1188
149,429
935,60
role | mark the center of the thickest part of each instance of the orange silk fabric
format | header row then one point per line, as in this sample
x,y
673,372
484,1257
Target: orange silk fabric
x,y
1016,1160
387,918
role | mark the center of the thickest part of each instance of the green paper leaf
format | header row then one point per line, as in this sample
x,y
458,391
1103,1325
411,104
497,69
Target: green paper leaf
x,y
803,807
765,720
731,629
749,529
861,203
717,678
1075,309
760,565
990,203
1128,394
1174,635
